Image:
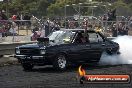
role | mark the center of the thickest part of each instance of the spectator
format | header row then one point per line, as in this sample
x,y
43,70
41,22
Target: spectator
x,y
47,27
90,27
76,23
71,24
114,31
105,17
122,29
27,18
125,29
3,23
66,24
85,23
14,17
111,15
18,18
3,16
13,29
55,25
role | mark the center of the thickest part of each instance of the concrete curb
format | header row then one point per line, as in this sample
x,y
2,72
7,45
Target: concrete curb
x,y
8,60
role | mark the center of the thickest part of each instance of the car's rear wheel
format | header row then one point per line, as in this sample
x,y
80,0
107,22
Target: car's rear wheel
x,y
27,66
109,51
60,62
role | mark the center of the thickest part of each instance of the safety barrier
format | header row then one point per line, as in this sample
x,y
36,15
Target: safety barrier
x,y
9,48
16,28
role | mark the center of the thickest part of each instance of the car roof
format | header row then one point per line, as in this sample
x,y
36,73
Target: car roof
x,y
77,30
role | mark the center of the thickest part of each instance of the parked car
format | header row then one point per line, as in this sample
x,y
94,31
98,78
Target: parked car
x,y
65,47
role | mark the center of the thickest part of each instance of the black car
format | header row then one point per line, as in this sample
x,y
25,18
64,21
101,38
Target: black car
x,y
64,47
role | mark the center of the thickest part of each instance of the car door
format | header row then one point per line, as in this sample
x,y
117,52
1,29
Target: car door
x,y
78,51
86,51
95,46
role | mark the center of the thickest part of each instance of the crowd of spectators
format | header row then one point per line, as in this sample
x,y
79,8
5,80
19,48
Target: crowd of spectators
x,y
9,25
116,25
120,27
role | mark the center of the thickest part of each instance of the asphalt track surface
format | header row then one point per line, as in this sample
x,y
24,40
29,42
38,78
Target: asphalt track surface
x,y
13,76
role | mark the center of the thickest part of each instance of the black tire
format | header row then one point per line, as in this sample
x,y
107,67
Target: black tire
x,y
82,79
109,52
27,66
1,56
60,62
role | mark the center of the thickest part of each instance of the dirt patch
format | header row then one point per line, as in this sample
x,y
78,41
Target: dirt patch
x,y
4,61
24,32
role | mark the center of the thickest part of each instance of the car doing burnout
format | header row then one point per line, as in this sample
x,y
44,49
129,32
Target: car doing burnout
x,y
66,46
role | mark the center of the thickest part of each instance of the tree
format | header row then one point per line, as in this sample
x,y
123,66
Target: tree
x,y
42,7
57,7
122,8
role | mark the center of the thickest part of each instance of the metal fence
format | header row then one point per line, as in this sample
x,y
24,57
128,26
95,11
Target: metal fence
x,y
108,28
24,30
17,30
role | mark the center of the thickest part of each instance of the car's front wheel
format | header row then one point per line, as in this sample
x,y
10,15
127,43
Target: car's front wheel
x,y
60,62
27,66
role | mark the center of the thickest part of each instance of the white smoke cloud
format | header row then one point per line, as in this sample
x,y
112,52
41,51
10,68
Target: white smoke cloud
x,y
125,57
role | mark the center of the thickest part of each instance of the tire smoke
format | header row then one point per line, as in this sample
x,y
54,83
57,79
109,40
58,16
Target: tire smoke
x,y
125,57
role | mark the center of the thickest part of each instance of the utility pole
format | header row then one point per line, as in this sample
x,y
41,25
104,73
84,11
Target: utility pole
x,y
7,3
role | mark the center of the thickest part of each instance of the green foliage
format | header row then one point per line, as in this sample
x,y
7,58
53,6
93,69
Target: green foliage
x,y
120,3
56,7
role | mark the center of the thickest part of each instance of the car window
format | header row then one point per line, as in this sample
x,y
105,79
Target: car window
x,y
94,38
61,36
55,35
67,37
80,38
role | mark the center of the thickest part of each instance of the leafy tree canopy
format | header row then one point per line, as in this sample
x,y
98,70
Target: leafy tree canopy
x,y
55,7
